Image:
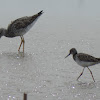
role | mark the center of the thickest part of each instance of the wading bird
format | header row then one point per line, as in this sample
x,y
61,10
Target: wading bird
x,y
19,27
83,60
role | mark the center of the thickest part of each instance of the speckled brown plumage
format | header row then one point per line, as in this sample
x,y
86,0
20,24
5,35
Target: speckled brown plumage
x,y
19,27
87,58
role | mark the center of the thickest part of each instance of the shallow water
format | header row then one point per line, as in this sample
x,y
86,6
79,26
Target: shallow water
x,y
43,72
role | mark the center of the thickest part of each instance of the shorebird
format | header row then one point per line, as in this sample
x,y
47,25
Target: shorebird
x,y
19,27
83,60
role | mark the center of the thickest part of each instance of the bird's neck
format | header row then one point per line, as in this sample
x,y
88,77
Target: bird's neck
x,y
3,32
74,56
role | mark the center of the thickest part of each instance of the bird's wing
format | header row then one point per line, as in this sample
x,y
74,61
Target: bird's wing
x,y
20,23
87,58
23,22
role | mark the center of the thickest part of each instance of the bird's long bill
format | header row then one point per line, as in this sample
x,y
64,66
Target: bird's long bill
x,y
67,55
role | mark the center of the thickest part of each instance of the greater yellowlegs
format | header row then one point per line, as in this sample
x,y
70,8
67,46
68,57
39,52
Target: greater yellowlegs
x,y
19,27
84,60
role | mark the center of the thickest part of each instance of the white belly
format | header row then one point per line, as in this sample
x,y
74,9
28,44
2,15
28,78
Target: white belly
x,y
84,63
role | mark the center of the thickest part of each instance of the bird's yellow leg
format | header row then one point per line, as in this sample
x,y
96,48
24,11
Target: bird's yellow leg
x,y
23,44
81,74
91,74
20,43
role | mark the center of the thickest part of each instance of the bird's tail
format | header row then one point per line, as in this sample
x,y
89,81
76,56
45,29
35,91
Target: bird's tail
x,y
40,13
34,17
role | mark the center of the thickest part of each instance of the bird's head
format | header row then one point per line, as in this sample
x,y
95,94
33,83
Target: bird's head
x,y
72,51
